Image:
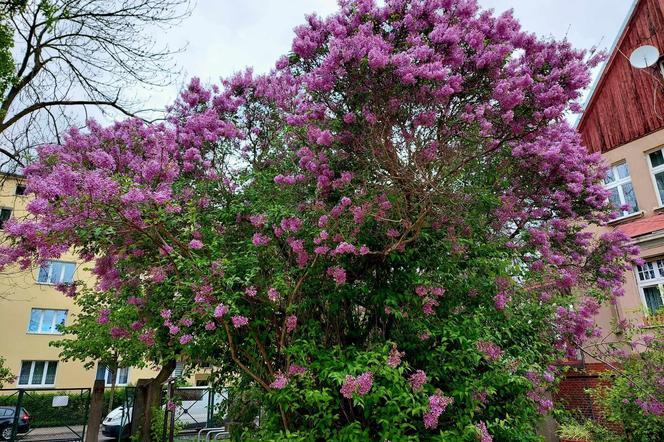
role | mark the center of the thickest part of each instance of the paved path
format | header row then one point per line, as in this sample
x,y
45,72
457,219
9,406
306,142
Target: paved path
x,y
61,434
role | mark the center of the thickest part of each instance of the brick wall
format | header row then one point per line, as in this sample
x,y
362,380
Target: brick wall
x,y
572,392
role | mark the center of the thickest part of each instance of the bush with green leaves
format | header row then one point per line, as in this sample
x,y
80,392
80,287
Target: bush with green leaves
x,y
632,396
378,239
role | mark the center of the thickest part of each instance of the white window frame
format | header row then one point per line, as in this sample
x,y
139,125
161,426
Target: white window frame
x,y
41,321
618,184
50,272
657,280
117,376
44,374
653,171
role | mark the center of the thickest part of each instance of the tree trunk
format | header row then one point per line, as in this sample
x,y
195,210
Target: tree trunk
x,y
112,395
148,397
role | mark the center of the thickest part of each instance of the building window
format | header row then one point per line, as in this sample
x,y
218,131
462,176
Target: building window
x,y
651,285
46,321
105,374
20,190
619,183
38,373
5,214
56,272
656,160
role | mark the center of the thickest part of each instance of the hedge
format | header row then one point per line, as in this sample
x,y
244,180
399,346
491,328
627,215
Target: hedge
x,y
43,414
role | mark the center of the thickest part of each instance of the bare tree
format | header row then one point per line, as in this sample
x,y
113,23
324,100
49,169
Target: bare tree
x,y
73,56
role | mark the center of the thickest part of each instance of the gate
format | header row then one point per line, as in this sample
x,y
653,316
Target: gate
x,y
190,410
44,414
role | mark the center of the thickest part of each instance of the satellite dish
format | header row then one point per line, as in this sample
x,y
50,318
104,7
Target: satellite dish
x,y
644,57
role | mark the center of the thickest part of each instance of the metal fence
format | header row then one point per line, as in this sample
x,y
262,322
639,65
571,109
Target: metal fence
x,y
191,411
44,414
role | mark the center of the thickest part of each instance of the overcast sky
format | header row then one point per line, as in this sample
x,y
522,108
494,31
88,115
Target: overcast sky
x,y
225,36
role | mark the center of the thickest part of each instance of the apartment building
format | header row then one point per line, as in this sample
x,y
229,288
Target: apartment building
x,y
30,310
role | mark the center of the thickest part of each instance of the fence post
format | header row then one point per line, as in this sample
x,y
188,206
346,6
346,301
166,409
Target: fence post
x,y
96,410
17,415
171,391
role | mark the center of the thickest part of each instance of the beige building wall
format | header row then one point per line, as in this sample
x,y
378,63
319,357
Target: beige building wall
x,y
19,294
632,305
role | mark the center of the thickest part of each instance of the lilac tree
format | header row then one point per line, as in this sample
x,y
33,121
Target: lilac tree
x,y
379,238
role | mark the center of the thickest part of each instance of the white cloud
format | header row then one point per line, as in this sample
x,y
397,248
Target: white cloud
x,y
226,36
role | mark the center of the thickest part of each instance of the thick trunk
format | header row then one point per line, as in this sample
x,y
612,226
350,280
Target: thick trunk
x,y
148,397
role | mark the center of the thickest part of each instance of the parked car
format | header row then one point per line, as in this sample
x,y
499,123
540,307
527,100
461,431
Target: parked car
x,y
7,421
191,412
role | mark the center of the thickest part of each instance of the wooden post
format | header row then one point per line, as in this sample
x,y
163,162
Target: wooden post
x,y
96,410
148,397
138,411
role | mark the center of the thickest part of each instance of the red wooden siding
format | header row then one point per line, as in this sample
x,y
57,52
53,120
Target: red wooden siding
x,y
628,103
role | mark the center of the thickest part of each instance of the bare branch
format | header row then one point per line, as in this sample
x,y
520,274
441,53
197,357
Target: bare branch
x,y
71,55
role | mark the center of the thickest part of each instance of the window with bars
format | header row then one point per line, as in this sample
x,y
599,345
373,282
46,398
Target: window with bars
x,y
38,373
619,183
56,272
651,284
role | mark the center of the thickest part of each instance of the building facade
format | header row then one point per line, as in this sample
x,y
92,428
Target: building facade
x,y
624,121
30,310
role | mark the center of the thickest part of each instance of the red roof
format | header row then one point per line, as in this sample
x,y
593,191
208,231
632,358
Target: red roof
x,y
643,226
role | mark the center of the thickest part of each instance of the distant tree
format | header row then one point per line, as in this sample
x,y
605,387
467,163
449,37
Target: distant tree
x,y
61,58
5,374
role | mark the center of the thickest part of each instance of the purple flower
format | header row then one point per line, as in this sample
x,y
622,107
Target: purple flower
x,y
280,381
157,274
393,233
239,321
364,383
260,240
395,357
195,244
483,432
490,350
417,380
119,332
295,369
360,385
220,310
291,323
437,405
348,387
104,315
273,294
186,339
338,274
